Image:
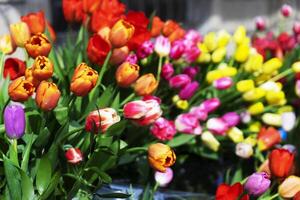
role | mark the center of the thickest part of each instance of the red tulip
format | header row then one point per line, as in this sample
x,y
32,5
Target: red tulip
x,y
14,67
267,138
281,162
97,49
35,21
73,10
227,192
74,155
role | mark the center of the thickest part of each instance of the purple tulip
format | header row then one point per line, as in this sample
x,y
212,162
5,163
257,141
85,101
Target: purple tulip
x,y
145,49
189,90
210,105
257,184
231,118
223,83
163,179
179,81
167,71
188,123
132,58
191,71
14,121
177,49
217,126
199,113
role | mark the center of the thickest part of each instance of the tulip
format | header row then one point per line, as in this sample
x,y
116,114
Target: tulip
x,y
264,167
296,67
29,77
126,74
254,63
297,88
223,83
231,118
209,140
145,85
281,162
227,192
210,41
163,179
160,157
101,120
256,108
242,53
191,54
239,34
157,25
20,89
177,49
267,138
244,150
121,32
296,28
38,45
14,121
182,104
189,90
97,49
235,134
20,33
35,21
73,10
245,117
288,120
217,126
255,127
84,80
291,148
42,68
210,105
297,196
272,119
163,129
47,96
188,123
245,85
90,6
14,68
286,10
151,97
145,49
199,113
74,155
258,183
271,65
213,75
179,81
6,44
260,23
289,187
135,109
162,46
167,71
132,58
254,94
190,71
119,55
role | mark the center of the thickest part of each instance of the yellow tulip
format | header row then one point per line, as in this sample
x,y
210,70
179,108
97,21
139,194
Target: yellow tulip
x,y
242,53
296,67
6,44
284,109
210,41
256,108
251,139
218,55
228,71
204,58
213,75
245,85
239,34
182,104
254,94
210,141
235,134
223,38
289,187
275,98
255,127
272,119
254,63
271,66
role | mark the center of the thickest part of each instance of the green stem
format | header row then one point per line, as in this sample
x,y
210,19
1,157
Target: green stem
x,y
272,197
159,68
281,75
154,190
1,65
129,98
136,149
13,152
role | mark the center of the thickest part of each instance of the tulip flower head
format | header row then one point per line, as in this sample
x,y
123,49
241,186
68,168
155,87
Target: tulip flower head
x,y
145,85
161,157
258,183
188,123
119,55
127,73
132,58
217,126
97,49
14,68
14,121
163,129
163,179
74,155
162,46
177,49
6,44
267,138
209,140
260,23
227,192
286,10
38,45
29,77
20,33
289,187
244,150
210,105
179,81
281,162
121,32
223,83
199,112
42,68
20,89
231,118
35,21
191,71
145,49
47,96
189,90
167,71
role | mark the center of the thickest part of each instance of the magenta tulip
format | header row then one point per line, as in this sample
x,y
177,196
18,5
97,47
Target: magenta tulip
x,y
163,129
188,123
179,81
189,90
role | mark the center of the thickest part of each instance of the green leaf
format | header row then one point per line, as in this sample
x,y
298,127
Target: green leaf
x,y
53,184
27,186
13,179
106,97
238,176
103,176
26,153
114,195
43,175
117,129
180,140
61,114
116,103
43,138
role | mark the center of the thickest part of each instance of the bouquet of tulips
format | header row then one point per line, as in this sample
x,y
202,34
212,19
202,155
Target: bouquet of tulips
x,y
128,95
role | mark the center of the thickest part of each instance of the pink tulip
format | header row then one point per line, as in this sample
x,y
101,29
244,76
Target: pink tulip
x,y
191,71
189,90
151,97
132,58
179,81
296,28
223,83
193,36
162,46
163,129
260,23
191,53
199,113
145,49
210,105
217,126
188,123
163,179
167,71
135,109
231,118
245,117
286,10
177,49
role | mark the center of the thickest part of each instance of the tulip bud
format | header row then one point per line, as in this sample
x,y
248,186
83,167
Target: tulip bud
x,y
231,192
145,85
188,123
210,41
296,28
167,71
191,54
244,150
281,162
251,139
84,80
217,126
199,113
256,108
29,77
126,74
145,49
210,141
288,120
119,55
97,49
189,90
297,88
20,33
218,55
242,53
235,134
101,120
162,46
14,68
47,96
163,129
20,89
135,109
179,81
296,67
258,183
210,105
223,83
286,10
160,156
267,138
255,127
42,68
14,121
157,25
163,179
38,45
254,94
272,119
121,33
231,118
271,66
191,71
36,22
74,155
90,6
182,104
245,85
289,187
260,23
213,75
245,117
132,58
223,38
177,49
151,97
239,34
6,44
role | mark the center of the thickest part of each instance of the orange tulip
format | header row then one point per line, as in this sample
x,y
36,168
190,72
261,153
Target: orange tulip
x,y
84,80
7,45
157,26
169,27
29,77
89,6
267,138
121,33
42,68
20,33
145,85
160,156
176,35
289,187
35,21
126,74
20,89
47,96
119,55
38,45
